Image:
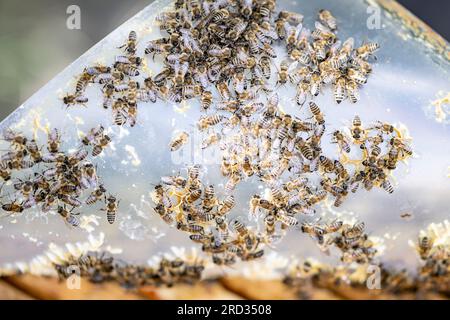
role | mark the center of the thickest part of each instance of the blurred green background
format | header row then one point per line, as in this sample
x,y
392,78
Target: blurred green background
x,y
35,44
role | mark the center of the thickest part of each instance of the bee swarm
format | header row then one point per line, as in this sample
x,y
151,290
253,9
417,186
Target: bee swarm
x,y
100,267
60,180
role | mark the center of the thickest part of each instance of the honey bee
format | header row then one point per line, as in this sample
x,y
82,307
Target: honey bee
x,y
71,99
356,76
339,90
100,145
164,213
96,195
246,8
54,141
210,140
352,91
69,217
5,172
287,220
324,33
13,207
226,205
334,226
340,139
357,132
128,69
82,84
315,84
130,46
15,138
425,245
112,206
303,89
292,34
219,15
34,151
191,228
384,127
291,17
387,186
178,141
317,113
223,90
283,73
206,122
247,167
92,135
367,50
327,19
206,100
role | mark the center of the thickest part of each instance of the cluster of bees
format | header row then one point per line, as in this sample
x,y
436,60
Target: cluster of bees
x,y
59,181
285,153
435,271
228,44
121,90
196,209
101,267
431,277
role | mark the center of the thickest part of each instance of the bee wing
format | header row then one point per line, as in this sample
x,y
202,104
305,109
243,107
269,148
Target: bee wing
x,y
185,67
292,66
349,43
298,30
335,47
321,27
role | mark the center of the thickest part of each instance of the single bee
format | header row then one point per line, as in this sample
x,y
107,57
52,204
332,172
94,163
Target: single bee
x,y
206,122
71,99
357,131
226,205
334,226
96,195
112,206
178,141
387,186
54,141
283,73
206,100
92,135
100,145
13,207
339,90
324,33
5,172
15,138
425,245
191,228
69,217
130,46
210,140
317,113
240,227
128,69
356,76
327,19
352,91
177,181
367,50
340,139
291,17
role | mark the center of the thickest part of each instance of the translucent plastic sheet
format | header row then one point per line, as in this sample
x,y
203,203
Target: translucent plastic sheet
x,y
407,81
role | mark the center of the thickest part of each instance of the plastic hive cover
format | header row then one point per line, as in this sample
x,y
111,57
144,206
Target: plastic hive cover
x,y
408,88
